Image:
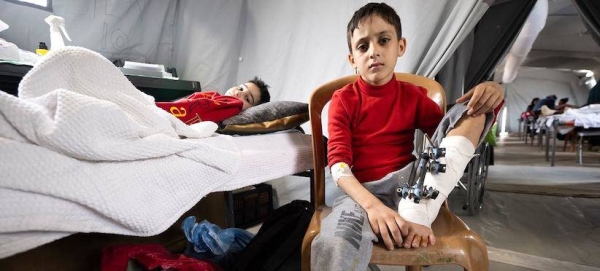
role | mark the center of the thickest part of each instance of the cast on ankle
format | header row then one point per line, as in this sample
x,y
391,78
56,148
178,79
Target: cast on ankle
x,y
414,212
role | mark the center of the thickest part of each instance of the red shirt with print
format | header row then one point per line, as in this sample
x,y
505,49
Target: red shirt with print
x,y
371,128
203,106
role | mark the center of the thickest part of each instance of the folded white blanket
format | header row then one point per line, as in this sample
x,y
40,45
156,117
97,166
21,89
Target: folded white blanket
x,y
82,150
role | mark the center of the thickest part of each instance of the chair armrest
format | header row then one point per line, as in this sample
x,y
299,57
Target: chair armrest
x,y
314,228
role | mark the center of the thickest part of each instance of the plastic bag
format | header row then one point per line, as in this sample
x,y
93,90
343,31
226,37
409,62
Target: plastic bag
x,y
209,241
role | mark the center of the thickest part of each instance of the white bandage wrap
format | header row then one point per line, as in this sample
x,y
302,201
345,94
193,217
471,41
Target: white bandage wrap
x,y
459,151
339,170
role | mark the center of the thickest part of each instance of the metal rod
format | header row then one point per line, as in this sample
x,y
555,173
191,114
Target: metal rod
x,y
555,126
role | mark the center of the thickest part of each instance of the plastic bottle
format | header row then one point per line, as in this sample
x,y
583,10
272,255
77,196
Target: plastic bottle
x,y
42,49
56,23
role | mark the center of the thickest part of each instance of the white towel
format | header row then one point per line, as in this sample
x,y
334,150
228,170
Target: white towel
x,y
82,150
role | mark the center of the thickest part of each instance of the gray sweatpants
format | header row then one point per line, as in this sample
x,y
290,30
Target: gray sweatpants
x,y
346,238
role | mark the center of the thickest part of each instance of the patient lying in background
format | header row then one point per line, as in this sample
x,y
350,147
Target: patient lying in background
x,y
212,106
559,109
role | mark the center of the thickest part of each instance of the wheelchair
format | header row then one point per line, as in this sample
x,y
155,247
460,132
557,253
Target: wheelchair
x,y
473,181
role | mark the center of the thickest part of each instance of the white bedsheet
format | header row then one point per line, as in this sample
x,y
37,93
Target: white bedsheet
x,y
586,117
82,150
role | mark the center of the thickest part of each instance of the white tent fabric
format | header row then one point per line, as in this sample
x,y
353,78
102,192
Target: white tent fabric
x,y
200,38
533,25
452,75
137,31
208,39
456,23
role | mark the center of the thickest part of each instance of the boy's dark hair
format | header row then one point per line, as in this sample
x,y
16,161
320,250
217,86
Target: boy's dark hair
x,y
387,13
264,89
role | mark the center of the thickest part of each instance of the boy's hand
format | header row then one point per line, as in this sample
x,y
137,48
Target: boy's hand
x,y
385,221
483,98
418,236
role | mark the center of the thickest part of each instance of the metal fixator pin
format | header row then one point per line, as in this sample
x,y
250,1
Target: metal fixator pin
x,y
428,162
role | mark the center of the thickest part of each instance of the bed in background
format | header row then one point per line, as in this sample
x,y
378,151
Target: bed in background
x,y
89,161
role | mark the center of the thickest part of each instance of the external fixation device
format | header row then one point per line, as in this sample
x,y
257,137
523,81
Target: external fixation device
x,y
428,162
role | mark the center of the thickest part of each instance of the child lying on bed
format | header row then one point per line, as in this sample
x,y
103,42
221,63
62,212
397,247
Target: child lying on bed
x,y
212,106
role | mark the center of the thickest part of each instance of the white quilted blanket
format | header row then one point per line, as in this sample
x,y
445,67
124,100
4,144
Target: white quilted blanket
x,y
82,150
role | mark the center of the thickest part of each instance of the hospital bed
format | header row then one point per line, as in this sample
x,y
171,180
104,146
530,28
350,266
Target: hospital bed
x,y
88,161
585,118
265,157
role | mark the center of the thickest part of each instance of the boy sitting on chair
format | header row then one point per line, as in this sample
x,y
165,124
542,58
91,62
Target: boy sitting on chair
x,y
212,106
371,133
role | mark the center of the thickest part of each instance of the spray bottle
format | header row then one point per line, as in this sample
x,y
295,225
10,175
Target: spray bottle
x,y
56,40
3,26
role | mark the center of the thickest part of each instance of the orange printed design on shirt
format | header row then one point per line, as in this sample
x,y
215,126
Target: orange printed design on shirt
x,y
203,106
177,112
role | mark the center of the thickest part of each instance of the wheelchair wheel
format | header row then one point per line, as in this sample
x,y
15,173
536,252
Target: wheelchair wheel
x,y
477,175
487,159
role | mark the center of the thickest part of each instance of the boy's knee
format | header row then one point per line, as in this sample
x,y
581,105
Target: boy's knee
x,y
323,242
325,247
334,252
337,242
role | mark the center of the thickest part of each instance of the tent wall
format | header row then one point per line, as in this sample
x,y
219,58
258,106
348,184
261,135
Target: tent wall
x,y
24,33
139,31
589,11
208,39
536,82
452,75
200,38
295,45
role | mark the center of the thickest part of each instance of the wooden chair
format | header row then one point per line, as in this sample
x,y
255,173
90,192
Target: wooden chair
x,y
455,242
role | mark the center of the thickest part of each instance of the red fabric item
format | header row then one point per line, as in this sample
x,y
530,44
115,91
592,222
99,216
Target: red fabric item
x,y
203,106
497,111
371,128
151,256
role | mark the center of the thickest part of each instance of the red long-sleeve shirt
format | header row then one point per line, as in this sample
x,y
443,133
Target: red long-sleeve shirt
x,y
203,106
371,128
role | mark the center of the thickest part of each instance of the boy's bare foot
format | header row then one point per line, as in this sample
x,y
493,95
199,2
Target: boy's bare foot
x,y
418,236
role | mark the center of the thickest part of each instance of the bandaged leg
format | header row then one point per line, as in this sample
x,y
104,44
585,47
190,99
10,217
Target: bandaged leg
x,y
459,151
